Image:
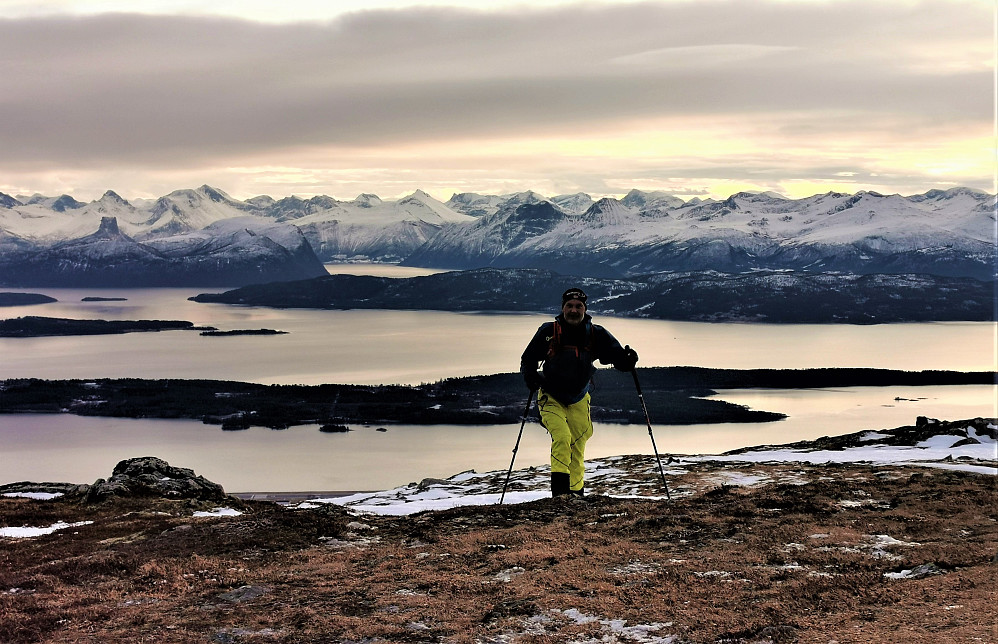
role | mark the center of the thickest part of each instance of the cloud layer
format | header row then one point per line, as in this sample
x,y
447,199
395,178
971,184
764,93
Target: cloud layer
x,y
802,91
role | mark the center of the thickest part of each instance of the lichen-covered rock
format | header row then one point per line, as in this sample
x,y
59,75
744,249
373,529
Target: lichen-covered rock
x,y
149,476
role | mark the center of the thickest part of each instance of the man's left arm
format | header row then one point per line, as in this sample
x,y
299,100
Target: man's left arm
x,y
609,351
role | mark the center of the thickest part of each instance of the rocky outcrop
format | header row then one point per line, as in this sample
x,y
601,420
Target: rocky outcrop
x,y
153,477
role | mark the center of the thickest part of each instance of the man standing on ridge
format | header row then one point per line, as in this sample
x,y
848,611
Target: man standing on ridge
x,y
568,346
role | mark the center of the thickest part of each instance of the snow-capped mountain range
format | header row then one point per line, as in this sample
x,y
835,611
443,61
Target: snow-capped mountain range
x,y
235,251
949,232
940,232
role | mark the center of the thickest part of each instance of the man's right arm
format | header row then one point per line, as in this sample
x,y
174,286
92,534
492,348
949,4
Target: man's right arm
x,y
535,352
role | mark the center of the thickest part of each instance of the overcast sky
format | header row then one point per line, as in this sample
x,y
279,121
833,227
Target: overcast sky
x,y
697,97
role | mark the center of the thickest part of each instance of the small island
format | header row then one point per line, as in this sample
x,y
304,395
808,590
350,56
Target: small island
x,y
332,428
97,298
24,299
215,332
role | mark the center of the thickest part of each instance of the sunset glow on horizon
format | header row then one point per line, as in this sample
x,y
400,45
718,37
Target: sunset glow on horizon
x,y
695,99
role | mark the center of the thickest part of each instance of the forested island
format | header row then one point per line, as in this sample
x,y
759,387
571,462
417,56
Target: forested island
x,y
674,396
24,299
33,326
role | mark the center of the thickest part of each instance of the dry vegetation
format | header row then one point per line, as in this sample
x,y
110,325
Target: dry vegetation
x,y
781,562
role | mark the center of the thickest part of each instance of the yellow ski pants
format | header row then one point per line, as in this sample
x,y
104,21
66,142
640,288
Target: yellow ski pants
x,y
570,426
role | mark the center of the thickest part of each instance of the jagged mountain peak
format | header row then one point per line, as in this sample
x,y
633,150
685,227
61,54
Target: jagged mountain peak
x,y
323,201
113,197
422,198
108,238
30,200
527,197
541,211
368,200
576,195
475,204
65,202
950,193
200,193
261,201
294,207
576,203
643,200
428,209
607,211
751,195
607,202
213,193
108,228
468,197
6,201
873,194
419,195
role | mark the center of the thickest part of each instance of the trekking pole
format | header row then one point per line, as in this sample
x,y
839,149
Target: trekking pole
x,y
523,422
637,385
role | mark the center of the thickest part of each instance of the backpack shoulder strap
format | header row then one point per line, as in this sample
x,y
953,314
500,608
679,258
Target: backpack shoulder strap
x,y
555,344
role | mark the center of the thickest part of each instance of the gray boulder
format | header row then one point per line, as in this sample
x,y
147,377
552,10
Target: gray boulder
x,y
149,476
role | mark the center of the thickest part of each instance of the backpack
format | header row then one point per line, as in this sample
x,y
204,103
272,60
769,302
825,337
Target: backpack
x,y
556,345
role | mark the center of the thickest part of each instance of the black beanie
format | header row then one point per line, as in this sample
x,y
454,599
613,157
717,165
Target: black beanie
x,y
574,294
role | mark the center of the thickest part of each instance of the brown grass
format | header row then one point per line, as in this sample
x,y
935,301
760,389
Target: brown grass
x,y
771,563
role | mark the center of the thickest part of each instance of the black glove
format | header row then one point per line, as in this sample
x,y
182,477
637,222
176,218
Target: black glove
x,y
629,359
534,380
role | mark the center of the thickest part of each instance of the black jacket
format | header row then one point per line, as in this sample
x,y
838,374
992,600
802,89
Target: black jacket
x,y
568,371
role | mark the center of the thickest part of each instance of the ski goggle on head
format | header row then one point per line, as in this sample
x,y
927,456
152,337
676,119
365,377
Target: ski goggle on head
x,y
574,294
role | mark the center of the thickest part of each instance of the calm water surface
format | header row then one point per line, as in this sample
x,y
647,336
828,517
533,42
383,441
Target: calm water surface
x,y
70,448
373,347
410,347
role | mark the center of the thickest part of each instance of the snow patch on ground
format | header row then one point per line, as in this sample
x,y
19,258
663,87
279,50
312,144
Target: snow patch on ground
x,y
618,479
219,512
25,532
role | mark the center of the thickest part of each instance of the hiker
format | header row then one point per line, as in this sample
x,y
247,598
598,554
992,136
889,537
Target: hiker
x,y
568,346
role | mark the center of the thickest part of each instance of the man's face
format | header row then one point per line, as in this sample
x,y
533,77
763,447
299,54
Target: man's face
x,y
573,311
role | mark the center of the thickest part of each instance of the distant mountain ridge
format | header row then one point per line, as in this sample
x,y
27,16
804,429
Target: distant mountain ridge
x,y
229,252
941,232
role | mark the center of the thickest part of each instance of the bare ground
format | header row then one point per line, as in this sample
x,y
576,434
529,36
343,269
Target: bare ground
x,y
831,553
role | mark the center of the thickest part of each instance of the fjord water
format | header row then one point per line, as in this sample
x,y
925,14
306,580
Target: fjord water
x,y
409,347
371,347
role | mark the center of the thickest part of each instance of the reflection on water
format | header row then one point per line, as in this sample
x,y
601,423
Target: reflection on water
x,y
381,270
80,450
